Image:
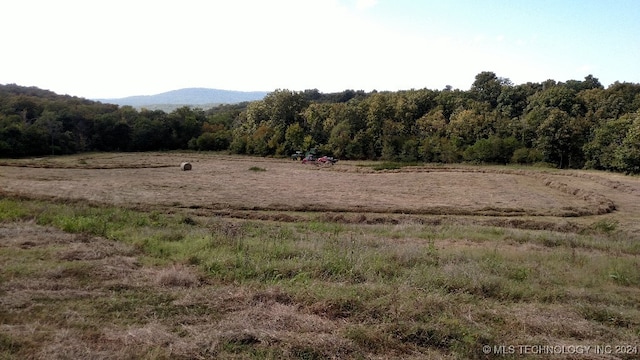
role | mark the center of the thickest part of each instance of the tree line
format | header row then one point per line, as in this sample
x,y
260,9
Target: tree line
x,y
572,124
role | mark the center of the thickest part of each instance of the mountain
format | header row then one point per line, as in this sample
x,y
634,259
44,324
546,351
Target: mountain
x,y
198,97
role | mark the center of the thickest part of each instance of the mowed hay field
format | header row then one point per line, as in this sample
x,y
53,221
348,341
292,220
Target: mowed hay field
x,y
112,256
225,182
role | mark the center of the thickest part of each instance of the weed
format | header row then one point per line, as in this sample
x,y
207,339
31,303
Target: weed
x,y
620,277
370,338
606,315
10,346
11,210
170,236
188,220
605,226
519,274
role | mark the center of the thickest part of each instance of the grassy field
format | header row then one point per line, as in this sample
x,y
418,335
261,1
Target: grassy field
x,y
112,256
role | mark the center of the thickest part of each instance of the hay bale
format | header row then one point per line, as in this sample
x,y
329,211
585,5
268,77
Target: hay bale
x,y
185,166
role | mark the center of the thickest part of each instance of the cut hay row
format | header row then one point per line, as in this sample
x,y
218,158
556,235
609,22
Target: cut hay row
x,y
487,211
602,204
612,184
395,219
598,204
86,166
344,217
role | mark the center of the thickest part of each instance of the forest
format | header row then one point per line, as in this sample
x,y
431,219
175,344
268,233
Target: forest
x,y
571,124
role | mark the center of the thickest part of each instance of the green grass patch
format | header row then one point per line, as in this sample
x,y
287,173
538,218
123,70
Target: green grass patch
x,y
442,290
11,210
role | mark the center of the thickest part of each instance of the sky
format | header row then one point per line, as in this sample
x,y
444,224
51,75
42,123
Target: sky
x,y
109,49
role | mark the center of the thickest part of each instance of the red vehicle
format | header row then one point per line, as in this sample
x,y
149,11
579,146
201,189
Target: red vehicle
x,y
324,160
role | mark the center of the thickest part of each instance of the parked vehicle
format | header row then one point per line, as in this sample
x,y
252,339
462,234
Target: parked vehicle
x,y
311,158
324,160
298,155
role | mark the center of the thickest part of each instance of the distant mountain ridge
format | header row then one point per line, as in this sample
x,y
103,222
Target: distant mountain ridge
x,y
188,97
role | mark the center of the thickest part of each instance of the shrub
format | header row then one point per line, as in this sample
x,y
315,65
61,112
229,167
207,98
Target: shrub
x,y
491,150
627,156
219,140
520,156
605,226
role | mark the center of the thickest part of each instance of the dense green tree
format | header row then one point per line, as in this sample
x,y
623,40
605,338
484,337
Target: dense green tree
x,y
433,123
627,155
261,141
449,101
410,150
513,100
110,133
629,93
340,139
186,124
11,136
213,141
601,105
359,146
411,105
284,107
149,134
560,138
471,124
600,152
526,156
487,87
589,83
294,138
314,118
493,149
37,140
392,138
50,124
569,124
378,109
29,108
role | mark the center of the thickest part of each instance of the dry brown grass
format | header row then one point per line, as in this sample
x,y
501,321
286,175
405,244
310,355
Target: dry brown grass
x,y
49,313
224,185
177,276
84,296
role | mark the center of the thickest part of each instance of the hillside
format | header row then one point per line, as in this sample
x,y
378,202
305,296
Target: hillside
x,y
189,96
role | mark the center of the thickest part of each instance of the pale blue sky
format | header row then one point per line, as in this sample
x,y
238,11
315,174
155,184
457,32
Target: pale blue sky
x,y
115,48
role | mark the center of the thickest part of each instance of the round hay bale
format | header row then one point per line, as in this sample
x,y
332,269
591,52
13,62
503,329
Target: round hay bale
x,y
185,166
